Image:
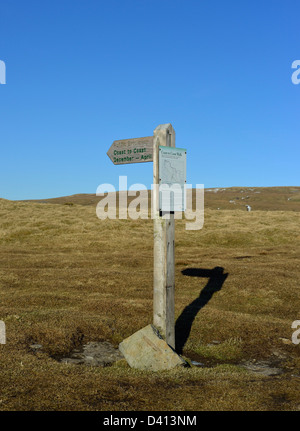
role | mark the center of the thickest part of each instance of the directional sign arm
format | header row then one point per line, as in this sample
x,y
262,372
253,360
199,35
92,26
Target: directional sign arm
x,y
137,150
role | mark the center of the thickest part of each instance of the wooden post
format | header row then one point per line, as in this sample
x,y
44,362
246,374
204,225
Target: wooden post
x,y
164,248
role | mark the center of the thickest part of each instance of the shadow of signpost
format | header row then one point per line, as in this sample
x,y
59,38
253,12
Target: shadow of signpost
x,y
185,320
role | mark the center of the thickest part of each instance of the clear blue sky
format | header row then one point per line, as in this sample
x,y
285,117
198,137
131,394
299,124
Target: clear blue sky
x,y
83,73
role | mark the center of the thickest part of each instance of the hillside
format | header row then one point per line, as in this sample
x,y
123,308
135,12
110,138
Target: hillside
x,y
68,278
259,198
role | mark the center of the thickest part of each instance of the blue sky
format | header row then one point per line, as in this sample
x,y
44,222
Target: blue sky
x,y
83,73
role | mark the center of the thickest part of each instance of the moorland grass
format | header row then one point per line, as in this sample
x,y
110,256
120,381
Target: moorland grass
x,y
67,278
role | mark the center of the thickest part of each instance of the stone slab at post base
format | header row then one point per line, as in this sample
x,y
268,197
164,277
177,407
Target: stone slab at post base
x,y
147,350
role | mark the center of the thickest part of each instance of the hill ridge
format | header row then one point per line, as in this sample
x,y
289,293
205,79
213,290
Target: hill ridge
x,y
281,198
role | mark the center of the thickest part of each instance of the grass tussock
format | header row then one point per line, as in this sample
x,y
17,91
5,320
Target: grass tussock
x,y
228,351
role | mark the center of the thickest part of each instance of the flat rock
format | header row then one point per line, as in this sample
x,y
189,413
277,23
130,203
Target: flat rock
x,y
95,354
36,346
286,341
263,367
147,350
197,364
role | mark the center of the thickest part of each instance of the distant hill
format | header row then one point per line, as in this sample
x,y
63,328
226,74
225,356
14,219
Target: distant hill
x,y
258,198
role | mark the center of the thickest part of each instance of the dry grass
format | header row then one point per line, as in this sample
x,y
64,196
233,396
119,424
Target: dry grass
x,y
259,198
67,277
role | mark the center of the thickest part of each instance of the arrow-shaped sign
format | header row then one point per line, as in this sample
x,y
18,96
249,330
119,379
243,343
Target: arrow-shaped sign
x,y
135,150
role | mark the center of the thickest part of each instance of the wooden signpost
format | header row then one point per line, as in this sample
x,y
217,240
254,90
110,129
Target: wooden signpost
x,y
147,150
164,248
